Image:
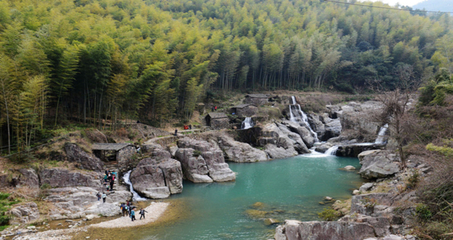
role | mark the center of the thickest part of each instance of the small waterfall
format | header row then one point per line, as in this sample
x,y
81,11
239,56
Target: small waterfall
x,y
298,116
247,123
135,196
332,150
381,135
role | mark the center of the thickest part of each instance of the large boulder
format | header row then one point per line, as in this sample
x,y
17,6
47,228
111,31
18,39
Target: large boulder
x,y
353,150
378,164
83,159
199,156
125,158
77,202
296,230
332,126
24,213
303,132
194,166
157,178
282,142
28,177
240,152
360,118
317,125
59,177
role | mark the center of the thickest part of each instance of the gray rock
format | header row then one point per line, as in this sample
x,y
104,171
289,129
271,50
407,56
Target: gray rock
x,y
28,177
366,187
83,159
240,152
275,152
59,177
24,213
303,132
294,230
378,164
333,127
125,159
157,177
349,168
317,126
202,160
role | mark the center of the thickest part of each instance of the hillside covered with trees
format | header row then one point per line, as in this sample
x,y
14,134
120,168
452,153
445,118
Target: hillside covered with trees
x,y
109,59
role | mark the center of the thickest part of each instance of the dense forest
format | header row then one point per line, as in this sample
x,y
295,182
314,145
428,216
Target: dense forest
x,y
89,60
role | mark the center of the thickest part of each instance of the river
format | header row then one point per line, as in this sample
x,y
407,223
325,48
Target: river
x,y
281,189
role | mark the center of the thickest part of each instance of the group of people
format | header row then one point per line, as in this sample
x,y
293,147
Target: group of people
x,y
128,210
109,180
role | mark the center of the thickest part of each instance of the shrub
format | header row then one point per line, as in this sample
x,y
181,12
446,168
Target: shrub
x,y
422,212
196,153
329,214
413,179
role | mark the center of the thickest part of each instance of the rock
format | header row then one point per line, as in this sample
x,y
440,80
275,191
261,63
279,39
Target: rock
x,y
59,177
104,209
78,202
202,160
158,177
333,128
303,132
24,213
125,159
356,192
293,229
357,118
240,152
90,217
366,187
275,152
29,178
365,203
318,126
271,221
31,227
290,139
83,159
354,149
328,198
378,164
349,168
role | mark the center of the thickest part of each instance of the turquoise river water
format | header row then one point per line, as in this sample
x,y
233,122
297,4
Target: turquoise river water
x,y
287,188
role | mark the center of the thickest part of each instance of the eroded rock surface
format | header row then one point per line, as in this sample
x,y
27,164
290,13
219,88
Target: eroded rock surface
x,y
60,177
378,164
240,152
315,230
83,159
158,176
203,161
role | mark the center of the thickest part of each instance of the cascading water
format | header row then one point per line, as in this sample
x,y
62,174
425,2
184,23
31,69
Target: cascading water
x,y
135,196
381,135
331,151
298,116
247,123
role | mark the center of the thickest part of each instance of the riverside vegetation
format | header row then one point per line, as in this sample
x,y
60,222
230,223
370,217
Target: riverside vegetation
x,y
96,63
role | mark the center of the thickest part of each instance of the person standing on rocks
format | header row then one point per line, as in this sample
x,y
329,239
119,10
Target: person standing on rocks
x,y
98,195
142,213
104,196
132,215
112,181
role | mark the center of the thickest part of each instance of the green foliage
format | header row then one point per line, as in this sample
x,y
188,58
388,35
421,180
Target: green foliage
x,y
446,150
413,179
196,153
423,213
434,92
329,214
154,60
5,204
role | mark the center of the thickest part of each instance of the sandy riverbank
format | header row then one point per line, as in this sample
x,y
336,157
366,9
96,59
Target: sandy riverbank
x,y
154,211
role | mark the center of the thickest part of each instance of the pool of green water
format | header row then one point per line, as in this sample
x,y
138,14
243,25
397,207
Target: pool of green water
x,y
281,189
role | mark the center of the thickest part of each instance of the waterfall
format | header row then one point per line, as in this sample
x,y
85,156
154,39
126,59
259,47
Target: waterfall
x,y
332,150
298,116
381,135
135,196
247,123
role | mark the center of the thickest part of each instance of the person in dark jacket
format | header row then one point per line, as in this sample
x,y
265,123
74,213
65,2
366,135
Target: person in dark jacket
x,y
142,213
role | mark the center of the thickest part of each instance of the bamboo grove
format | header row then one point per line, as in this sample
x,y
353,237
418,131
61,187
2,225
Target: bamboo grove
x,y
89,60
